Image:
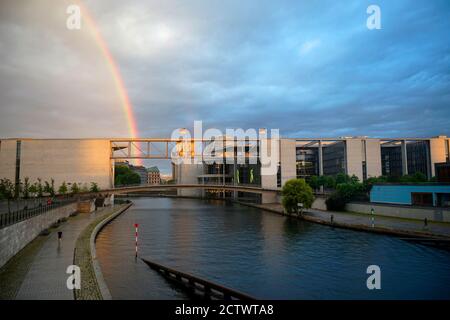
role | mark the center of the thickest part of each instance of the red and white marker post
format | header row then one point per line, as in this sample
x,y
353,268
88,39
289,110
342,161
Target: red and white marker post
x,y
136,234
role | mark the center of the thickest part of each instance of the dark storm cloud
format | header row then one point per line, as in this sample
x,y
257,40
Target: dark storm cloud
x,y
309,68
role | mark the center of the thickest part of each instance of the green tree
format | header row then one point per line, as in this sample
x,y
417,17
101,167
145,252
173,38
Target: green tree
x,y
50,187
26,188
341,178
354,179
329,182
40,188
321,181
296,191
94,187
74,189
420,177
345,192
63,188
33,189
314,182
125,176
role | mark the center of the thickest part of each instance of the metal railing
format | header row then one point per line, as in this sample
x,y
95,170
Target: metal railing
x,y
10,218
195,284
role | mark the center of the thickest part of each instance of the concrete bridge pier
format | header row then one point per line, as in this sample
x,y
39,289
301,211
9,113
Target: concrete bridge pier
x,y
269,197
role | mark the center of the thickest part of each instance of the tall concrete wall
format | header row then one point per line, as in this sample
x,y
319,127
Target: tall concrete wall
x,y
354,154
269,180
373,158
8,159
288,160
437,152
15,237
188,174
82,161
432,214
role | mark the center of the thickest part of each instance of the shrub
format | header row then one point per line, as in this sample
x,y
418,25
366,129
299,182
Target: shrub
x,y
296,191
94,187
63,188
335,202
345,192
74,188
125,176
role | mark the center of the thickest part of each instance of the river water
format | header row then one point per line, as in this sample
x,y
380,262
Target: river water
x,y
263,254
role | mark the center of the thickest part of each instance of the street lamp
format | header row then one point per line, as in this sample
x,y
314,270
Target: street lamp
x,y
299,208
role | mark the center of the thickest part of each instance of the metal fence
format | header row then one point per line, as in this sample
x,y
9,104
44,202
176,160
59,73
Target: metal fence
x,y
7,219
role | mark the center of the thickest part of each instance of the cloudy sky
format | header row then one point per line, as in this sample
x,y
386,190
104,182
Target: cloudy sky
x,y
309,68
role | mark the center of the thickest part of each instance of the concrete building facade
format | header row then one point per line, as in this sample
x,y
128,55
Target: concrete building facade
x,y
65,160
91,160
153,176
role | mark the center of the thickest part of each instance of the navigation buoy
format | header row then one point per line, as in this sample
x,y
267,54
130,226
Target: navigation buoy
x,y
136,235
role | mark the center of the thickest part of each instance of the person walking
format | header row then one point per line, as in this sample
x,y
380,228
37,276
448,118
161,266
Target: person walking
x,y
59,237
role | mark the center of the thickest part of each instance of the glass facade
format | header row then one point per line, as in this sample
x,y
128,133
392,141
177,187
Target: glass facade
x,y
391,161
334,158
417,156
307,162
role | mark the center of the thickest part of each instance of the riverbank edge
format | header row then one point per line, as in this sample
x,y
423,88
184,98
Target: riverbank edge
x,y
355,227
93,270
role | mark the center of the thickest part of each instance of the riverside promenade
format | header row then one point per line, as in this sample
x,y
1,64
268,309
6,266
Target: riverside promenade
x,y
364,222
45,277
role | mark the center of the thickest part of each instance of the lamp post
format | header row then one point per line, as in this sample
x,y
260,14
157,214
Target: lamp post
x,y
299,208
372,212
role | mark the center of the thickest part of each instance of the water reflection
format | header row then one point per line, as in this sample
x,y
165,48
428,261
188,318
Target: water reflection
x,y
263,254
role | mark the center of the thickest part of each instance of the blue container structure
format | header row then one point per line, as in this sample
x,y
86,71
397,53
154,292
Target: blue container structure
x,y
429,194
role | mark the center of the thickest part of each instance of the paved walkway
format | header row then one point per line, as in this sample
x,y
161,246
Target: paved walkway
x,y
365,220
46,279
359,219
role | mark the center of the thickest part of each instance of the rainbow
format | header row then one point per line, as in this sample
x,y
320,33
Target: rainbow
x,y
115,71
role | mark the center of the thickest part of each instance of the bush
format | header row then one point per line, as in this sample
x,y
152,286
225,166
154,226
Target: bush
x,y
336,202
94,187
74,189
63,188
296,191
345,192
125,176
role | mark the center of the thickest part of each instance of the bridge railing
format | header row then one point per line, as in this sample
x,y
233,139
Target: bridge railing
x,y
10,218
194,284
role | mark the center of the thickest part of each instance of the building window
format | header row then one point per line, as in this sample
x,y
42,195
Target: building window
x,y
334,158
18,155
364,170
279,176
447,151
307,162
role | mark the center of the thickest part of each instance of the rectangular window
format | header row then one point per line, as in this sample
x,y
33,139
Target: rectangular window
x,y
422,198
447,150
279,176
18,154
364,170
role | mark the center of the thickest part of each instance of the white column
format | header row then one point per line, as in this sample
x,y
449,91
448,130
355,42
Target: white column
x,y
404,158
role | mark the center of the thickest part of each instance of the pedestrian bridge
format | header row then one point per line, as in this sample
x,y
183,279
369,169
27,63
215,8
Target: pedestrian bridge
x,y
267,195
